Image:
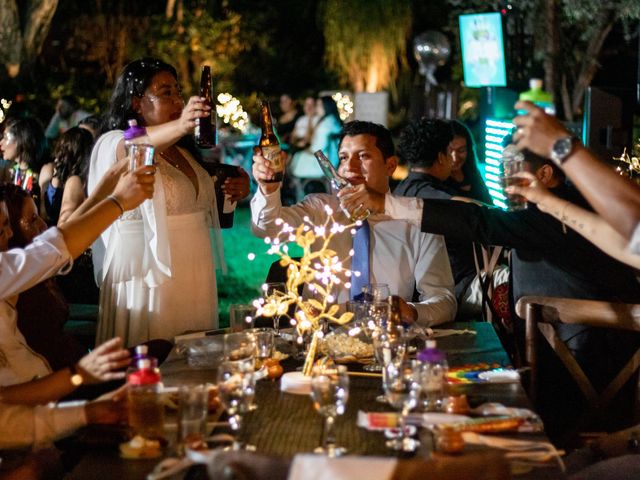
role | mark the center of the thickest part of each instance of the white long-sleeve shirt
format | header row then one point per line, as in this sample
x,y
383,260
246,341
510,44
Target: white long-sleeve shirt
x,y
20,269
400,254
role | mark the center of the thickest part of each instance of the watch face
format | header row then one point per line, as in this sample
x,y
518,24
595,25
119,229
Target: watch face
x,y
561,148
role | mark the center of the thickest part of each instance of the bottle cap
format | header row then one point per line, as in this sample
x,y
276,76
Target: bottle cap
x,y
535,84
146,374
431,355
142,350
134,130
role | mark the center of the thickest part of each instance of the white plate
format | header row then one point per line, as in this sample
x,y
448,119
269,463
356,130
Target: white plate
x,y
500,375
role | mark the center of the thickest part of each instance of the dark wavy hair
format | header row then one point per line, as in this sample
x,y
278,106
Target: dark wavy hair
x,y
132,82
384,142
330,108
14,198
71,155
422,140
31,144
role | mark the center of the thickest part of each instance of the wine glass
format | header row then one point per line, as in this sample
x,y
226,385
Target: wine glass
x,y
236,389
329,393
402,387
389,346
375,324
272,291
376,292
264,344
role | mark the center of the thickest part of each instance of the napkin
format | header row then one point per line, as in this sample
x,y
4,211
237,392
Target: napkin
x,y
315,467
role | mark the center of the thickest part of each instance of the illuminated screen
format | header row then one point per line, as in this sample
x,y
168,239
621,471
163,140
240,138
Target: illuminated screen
x,y
483,50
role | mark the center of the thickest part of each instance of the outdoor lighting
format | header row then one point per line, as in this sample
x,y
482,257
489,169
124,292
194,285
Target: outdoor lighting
x,y
5,104
231,112
494,133
344,104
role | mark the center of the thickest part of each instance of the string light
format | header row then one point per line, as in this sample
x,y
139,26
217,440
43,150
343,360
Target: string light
x,y
231,112
344,104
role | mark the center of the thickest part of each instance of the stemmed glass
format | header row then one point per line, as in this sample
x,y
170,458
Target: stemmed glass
x,y
389,346
236,388
329,393
271,291
402,386
376,324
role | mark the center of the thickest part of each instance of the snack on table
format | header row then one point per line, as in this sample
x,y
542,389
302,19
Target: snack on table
x,y
345,347
140,447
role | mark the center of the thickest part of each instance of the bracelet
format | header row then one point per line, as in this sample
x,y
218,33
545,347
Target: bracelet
x,y
116,202
563,218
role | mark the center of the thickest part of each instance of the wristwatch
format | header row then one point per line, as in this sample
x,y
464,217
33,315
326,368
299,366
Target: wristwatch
x,y
561,149
76,378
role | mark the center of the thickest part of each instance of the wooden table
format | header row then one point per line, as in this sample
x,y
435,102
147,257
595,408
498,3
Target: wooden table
x,y
286,424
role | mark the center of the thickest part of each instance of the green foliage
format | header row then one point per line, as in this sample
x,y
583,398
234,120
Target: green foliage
x,y
365,40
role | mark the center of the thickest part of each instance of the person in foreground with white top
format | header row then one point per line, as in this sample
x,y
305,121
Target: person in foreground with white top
x,y
400,255
31,422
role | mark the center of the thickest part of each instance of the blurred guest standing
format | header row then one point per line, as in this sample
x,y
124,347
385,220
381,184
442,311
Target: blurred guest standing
x,y
68,114
288,118
156,265
303,129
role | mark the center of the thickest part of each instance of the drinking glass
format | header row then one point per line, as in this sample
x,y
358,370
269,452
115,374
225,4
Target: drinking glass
x,y
272,291
240,346
376,322
511,164
329,393
241,316
141,154
376,292
264,344
236,389
338,182
389,346
193,403
402,387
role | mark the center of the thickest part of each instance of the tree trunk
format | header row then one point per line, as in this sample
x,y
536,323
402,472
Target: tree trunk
x,y
552,50
18,46
590,64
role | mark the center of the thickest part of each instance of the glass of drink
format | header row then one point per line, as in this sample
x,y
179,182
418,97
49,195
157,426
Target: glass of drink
x,y
264,344
376,292
236,389
193,403
329,393
511,165
272,293
402,387
241,316
338,182
141,154
240,347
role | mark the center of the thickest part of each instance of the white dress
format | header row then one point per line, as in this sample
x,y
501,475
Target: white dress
x,y
158,275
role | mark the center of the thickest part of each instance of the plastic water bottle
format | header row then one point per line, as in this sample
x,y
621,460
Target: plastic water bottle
x,y
434,370
146,412
539,97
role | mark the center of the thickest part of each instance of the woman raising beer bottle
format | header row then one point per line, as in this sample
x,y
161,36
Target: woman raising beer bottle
x,y
156,264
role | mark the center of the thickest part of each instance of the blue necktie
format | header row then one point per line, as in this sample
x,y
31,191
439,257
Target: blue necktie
x,y
360,260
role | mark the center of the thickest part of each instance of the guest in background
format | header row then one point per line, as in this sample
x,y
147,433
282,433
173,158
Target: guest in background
x,y
92,123
288,116
303,130
325,137
70,160
465,176
68,114
24,144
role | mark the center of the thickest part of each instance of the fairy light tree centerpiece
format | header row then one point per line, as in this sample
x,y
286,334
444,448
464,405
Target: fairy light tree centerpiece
x,y
320,269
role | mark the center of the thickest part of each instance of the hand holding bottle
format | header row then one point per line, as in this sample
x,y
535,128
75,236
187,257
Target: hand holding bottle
x,y
195,108
264,172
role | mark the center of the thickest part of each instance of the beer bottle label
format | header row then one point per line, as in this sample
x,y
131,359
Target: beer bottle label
x,y
272,153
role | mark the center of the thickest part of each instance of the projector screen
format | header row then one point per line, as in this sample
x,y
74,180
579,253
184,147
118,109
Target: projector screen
x,y
482,44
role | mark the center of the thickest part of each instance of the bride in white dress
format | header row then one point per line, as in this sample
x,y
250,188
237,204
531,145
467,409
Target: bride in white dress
x,y
156,265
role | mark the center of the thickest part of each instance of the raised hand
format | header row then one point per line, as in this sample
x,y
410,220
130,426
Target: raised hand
x,y
263,172
537,131
360,197
103,363
135,187
194,109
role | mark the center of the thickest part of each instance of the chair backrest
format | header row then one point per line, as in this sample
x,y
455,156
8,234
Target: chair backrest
x,y
542,313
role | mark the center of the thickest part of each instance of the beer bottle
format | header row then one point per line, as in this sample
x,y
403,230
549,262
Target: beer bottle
x,y
205,132
269,143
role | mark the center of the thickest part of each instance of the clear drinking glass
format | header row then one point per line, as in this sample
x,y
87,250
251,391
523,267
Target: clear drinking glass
x,y
329,393
272,291
376,292
193,404
240,346
511,164
338,182
241,316
264,344
375,324
237,388
402,387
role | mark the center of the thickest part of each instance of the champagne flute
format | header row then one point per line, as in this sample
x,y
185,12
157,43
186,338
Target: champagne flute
x,y
237,388
402,385
329,393
272,291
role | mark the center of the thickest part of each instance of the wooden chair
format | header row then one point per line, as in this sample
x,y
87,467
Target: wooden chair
x,y
542,313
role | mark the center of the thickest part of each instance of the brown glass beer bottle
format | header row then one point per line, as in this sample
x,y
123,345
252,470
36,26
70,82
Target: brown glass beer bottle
x,y
269,143
205,132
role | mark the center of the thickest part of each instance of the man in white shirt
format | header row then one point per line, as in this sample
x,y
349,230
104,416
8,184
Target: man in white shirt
x,y
400,255
20,269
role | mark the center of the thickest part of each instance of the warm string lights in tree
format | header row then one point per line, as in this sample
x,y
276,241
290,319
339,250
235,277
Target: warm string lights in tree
x,y
320,269
344,104
631,168
231,112
4,106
